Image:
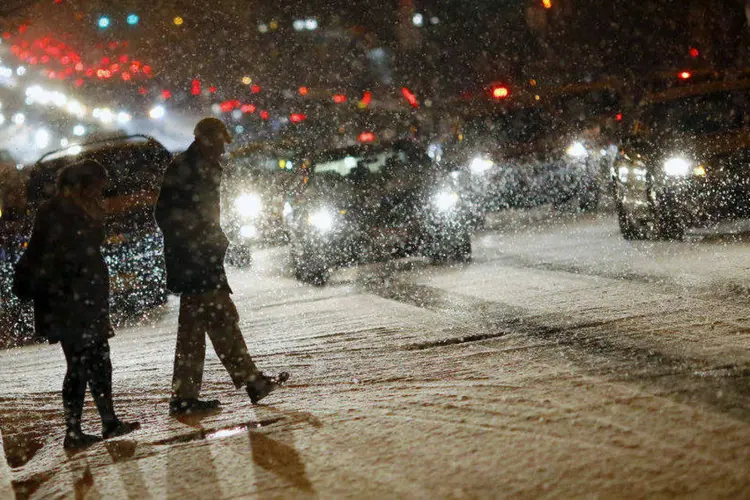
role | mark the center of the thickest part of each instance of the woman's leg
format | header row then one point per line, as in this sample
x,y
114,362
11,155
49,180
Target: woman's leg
x,y
74,388
99,370
99,376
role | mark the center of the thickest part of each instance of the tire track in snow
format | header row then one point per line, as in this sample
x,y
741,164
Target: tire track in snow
x,y
684,379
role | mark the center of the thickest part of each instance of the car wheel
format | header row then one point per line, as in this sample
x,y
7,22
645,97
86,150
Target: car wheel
x,y
239,255
588,198
667,223
309,268
447,248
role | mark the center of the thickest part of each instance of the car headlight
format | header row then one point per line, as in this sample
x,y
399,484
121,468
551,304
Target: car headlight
x,y
249,205
677,167
577,150
321,219
480,165
445,201
249,232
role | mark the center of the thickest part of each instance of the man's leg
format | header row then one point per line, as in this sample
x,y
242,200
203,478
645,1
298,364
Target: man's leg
x,y
190,351
225,334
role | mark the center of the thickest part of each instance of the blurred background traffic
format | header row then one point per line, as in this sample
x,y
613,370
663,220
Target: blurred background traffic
x,y
372,130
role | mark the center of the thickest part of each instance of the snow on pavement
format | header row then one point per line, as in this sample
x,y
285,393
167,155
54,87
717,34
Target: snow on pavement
x,y
534,371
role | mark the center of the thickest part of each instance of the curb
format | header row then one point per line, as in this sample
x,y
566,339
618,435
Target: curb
x,y
6,476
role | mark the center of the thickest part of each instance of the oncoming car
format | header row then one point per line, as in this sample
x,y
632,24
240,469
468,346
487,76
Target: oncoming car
x,y
371,202
254,192
687,161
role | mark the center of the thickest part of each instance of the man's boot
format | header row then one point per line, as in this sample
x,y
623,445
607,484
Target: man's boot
x,y
184,406
263,385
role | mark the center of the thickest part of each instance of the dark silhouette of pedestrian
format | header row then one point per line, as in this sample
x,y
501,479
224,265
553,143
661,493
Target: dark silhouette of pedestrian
x,y
188,213
65,274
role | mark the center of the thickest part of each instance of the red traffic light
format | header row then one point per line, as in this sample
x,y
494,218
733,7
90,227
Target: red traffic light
x,y
500,92
694,52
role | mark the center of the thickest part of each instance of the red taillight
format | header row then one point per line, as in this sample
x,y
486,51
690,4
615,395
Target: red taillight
x,y
339,98
618,117
685,75
297,117
366,137
303,91
264,115
409,96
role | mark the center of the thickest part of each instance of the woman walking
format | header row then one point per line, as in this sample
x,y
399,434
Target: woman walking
x,y
64,272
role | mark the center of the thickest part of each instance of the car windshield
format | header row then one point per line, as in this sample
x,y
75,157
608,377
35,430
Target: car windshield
x,y
368,166
699,114
510,126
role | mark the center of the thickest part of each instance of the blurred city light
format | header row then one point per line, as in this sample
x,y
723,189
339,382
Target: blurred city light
x,y
104,22
500,92
685,75
133,19
41,138
79,130
547,4
418,19
19,118
247,80
178,21
123,117
157,112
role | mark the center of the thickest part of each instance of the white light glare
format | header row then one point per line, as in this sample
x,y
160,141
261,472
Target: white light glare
x,y
249,205
577,150
79,130
321,219
106,115
123,117
418,19
157,112
480,165
41,138
311,24
445,201
677,167
248,232
19,118
299,24
2,118
20,71
76,108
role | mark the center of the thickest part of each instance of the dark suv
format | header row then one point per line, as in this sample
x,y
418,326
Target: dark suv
x,y
133,248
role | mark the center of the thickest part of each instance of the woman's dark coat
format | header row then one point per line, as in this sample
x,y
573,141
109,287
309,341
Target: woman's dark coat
x,y
63,269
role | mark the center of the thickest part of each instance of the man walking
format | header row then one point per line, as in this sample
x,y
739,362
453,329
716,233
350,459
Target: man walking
x,y
188,213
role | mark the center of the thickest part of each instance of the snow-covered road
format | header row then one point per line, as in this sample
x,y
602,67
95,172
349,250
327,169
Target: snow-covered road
x,y
562,362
